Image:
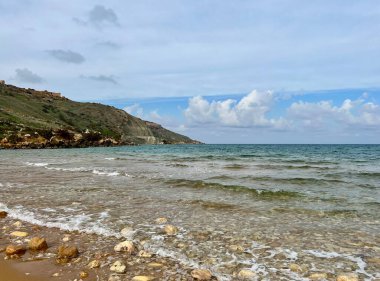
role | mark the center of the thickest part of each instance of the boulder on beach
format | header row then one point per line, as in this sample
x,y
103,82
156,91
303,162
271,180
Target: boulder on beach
x,y
3,214
67,251
170,230
126,246
201,274
15,250
118,267
37,244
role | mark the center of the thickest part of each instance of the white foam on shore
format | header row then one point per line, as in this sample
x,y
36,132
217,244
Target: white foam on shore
x,y
69,223
108,174
110,158
330,255
38,164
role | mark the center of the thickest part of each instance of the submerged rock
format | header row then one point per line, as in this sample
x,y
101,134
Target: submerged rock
x,y
17,224
201,274
15,250
126,246
161,220
348,277
318,276
127,232
118,267
3,214
114,277
145,254
295,267
246,274
170,230
19,234
37,244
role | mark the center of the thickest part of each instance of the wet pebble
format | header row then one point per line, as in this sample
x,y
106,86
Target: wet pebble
x,y
170,230
201,274
246,274
118,267
37,244
126,246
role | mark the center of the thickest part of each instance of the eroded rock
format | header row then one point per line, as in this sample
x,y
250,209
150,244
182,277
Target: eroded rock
x,y
170,230
19,233
3,214
348,277
142,278
246,274
94,264
15,250
126,246
161,220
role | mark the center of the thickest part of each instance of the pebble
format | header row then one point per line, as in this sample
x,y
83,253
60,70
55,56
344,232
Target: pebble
x,y
65,253
155,264
161,220
318,276
295,267
66,238
126,246
347,277
19,234
3,214
83,274
15,250
145,254
56,275
114,277
37,244
142,278
94,264
246,274
170,230
236,248
17,224
118,267
201,274
127,232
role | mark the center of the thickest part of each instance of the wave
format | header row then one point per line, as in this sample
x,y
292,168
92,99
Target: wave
x,y
38,164
71,223
262,193
103,173
291,167
295,181
235,167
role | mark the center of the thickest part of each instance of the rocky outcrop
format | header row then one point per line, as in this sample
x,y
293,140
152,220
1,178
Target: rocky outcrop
x,y
41,119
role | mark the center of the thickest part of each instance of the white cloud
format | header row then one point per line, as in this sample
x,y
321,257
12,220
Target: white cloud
x,y
324,113
250,111
135,109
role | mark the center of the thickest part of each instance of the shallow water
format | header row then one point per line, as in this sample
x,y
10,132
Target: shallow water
x,y
261,207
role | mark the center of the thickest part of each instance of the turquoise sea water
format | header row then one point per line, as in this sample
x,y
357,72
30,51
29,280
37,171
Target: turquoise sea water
x,y
259,206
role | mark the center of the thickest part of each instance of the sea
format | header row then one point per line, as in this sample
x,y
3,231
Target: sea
x,y
278,210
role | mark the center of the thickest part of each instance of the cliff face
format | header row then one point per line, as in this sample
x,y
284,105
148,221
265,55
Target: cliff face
x,y
30,118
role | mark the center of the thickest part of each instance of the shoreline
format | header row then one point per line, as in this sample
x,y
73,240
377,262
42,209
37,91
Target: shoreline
x,y
97,256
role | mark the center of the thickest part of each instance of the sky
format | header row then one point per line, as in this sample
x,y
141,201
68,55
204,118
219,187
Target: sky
x,y
241,71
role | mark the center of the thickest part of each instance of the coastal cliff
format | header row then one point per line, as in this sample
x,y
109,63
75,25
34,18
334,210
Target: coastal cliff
x,y
42,119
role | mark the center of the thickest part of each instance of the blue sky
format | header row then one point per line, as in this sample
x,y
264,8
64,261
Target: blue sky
x,y
219,71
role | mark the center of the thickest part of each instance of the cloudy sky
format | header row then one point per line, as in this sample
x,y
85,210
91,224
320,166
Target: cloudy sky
x,y
219,71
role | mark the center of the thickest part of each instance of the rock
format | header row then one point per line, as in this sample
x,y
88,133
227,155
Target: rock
x,y
118,267
161,220
66,238
142,278
155,264
56,274
170,230
145,254
295,267
127,232
19,233
347,277
17,224
83,274
67,251
15,250
236,248
318,276
246,274
114,277
94,264
201,274
3,214
126,246
37,244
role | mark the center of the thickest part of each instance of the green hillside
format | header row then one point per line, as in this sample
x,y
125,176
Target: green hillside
x,y
43,115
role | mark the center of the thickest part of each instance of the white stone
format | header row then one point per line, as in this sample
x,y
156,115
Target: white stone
x,y
118,267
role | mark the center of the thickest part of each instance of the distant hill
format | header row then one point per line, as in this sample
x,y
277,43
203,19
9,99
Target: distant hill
x,y
38,119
